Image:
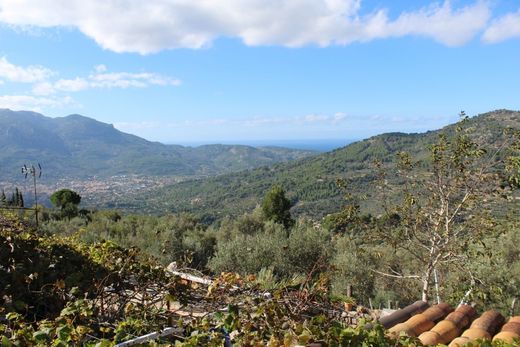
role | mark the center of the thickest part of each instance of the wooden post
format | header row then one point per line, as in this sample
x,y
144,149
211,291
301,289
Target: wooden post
x,y
349,290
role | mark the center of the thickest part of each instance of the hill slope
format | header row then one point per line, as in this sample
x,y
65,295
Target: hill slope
x,y
310,182
81,147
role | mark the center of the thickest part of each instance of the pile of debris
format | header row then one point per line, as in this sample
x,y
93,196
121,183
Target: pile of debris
x,y
231,289
208,298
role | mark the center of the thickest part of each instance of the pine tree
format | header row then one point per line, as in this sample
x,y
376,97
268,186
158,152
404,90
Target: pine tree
x,y
276,207
3,199
16,201
12,200
20,200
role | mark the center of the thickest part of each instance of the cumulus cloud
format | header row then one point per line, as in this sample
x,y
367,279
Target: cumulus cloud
x,y
442,23
503,28
27,74
151,26
50,92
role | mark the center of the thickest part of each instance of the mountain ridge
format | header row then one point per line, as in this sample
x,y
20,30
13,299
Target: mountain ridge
x,y
81,147
309,182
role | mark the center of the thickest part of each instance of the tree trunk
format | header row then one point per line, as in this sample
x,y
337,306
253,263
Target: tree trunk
x,y
426,284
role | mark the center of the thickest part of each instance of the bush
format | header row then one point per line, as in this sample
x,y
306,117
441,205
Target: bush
x,y
247,254
350,262
308,249
301,250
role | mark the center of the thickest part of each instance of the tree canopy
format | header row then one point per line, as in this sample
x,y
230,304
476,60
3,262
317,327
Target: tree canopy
x,y
276,207
67,201
64,197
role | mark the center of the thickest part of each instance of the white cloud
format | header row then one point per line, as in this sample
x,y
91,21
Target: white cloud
x,y
442,23
105,80
339,116
28,74
100,68
32,103
152,26
127,79
309,120
71,85
503,28
43,88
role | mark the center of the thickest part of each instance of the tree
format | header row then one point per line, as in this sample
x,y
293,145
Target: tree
x,y
3,199
67,201
16,199
276,207
63,197
444,213
20,199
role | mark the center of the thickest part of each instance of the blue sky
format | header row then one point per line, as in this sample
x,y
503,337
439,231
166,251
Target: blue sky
x,y
182,71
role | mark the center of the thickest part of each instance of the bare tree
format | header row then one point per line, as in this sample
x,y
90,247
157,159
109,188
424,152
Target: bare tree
x,y
441,213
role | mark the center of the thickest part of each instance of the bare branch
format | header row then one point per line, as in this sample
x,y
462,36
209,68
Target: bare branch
x,y
396,276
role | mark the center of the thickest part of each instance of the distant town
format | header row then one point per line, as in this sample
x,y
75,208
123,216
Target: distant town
x,y
95,189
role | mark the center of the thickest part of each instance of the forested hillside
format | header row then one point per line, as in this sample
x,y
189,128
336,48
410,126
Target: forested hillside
x,y
311,183
78,147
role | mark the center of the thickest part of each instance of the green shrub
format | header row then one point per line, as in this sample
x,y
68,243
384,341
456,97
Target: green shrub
x,y
303,249
248,254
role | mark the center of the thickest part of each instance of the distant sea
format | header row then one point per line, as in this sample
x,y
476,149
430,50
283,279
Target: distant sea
x,y
319,145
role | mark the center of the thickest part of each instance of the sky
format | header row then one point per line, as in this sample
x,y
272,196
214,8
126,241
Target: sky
x,y
180,71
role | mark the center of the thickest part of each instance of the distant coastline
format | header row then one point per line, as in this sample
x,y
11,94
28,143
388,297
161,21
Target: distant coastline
x,y
319,145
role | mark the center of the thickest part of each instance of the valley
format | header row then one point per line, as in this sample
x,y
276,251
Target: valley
x,y
291,173
311,183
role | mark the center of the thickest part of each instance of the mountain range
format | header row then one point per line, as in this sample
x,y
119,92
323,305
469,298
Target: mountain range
x,y
310,182
211,180
78,147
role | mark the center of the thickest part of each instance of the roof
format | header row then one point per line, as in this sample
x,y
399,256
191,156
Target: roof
x,y
441,324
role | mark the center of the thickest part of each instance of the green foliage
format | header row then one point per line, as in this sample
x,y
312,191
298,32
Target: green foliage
x,y
305,250
442,213
247,254
276,207
311,182
3,199
181,238
62,307
512,159
38,274
59,282
494,272
51,284
15,200
350,260
64,197
67,201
